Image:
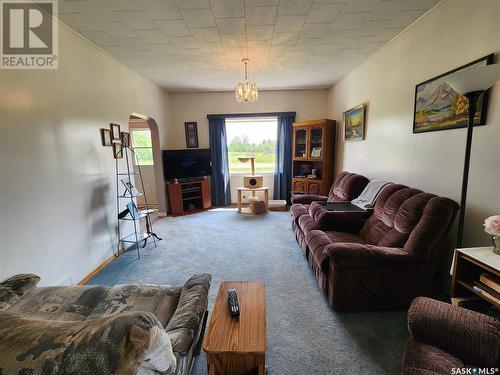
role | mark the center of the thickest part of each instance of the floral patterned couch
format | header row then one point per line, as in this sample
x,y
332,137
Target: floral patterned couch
x,y
123,329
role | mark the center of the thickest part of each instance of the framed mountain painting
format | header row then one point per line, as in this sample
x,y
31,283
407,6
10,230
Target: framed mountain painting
x,y
439,107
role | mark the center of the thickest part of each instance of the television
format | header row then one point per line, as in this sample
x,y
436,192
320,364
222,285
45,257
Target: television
x,y
186,164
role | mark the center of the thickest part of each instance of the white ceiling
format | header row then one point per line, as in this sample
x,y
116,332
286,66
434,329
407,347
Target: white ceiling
x,y
198,44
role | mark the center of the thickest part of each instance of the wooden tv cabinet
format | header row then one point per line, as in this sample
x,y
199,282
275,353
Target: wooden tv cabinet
x,y
189,197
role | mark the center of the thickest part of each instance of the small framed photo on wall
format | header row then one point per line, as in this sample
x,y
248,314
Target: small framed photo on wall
x,y
354,124
106,138
115,132
191,134
125,139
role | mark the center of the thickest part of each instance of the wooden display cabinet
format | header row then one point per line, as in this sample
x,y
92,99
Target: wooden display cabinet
x,y
313,149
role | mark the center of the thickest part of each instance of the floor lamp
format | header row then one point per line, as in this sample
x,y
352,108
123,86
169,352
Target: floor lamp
x,y
472,83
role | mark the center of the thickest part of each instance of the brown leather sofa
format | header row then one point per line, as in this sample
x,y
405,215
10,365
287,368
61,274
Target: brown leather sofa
x,y
446,337
346,187
380,261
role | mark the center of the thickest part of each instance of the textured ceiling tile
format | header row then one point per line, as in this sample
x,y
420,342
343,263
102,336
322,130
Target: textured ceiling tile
x,y
183,42
294,7
124,5
198,17
174,27
192,4
228,8
261,32
405,18
348,21
134,44
324,13
260,45
211,48
163,10
234,41
261,15
100,38
206,35
420,4
117,29
137,20
152,36
355,6
79,22
287,39
164,49
260,3
93,10
286,24
231,25
314,30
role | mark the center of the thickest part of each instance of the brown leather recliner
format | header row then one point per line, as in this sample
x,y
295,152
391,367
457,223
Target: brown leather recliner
x,y
346,187
446,337
391,260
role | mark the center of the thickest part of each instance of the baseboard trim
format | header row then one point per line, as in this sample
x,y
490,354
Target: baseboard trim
x,y
99,267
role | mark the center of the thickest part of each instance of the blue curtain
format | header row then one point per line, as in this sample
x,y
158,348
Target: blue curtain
x,y
283,174
221,192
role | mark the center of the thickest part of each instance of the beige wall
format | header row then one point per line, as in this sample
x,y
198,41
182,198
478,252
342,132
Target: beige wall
x,y
309,105
57,185
454,33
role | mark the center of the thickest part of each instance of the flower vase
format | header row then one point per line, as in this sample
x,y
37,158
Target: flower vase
x,y
496,244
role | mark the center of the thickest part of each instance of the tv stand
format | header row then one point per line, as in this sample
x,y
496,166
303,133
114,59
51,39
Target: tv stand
x,y
187,197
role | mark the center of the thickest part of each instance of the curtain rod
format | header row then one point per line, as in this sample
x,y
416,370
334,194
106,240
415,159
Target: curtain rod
x,y
263,114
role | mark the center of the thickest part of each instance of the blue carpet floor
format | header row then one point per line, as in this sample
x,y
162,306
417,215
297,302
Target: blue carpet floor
x,y
304,335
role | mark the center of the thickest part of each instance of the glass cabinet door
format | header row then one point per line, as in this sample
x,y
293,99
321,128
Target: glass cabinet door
x,y
300,143
316,143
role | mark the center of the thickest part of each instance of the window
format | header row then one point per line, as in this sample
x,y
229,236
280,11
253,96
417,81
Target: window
x,y
141,144
252,136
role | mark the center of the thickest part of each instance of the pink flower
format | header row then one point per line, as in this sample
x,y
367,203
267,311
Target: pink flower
x,y
492,225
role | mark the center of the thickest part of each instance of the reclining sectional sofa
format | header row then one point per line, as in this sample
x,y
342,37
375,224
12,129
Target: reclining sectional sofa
x,y
379,259
95,329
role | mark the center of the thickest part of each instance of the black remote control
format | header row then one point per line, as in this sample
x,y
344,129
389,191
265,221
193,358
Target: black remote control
x,y
232,300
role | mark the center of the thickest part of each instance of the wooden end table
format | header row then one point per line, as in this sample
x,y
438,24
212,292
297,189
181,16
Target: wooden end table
x,y
246,210
237,346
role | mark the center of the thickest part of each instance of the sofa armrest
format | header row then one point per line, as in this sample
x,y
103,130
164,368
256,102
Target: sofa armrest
x,y
188,316
343,221
346,254
468,335
308,198
12,289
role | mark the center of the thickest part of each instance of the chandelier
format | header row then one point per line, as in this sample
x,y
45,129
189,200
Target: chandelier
x,y
246,91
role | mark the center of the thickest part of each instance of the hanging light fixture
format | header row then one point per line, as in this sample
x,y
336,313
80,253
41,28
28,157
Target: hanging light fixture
x,y
246,91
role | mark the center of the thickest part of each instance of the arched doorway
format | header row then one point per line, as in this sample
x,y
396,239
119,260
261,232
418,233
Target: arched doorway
x,y
144,127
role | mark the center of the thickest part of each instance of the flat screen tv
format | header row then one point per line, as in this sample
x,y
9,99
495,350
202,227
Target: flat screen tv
x,y
186,163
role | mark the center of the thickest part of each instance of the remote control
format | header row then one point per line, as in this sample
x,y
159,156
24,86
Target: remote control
x,y
232,300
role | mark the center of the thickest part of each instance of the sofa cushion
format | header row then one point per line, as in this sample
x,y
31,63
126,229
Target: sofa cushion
x,y
160,300
12,289
424,359
116,344
346,187
184,325
337,237
297,210
60,303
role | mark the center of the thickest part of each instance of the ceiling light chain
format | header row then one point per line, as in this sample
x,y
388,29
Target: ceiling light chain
x,y
246,91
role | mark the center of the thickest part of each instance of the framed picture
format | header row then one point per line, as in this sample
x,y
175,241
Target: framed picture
x,y
125,137
115,132
191,134
129,186
354,124
438,107
106,137
117,150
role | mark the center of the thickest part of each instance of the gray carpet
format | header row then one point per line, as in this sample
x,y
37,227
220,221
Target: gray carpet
x,y
304,335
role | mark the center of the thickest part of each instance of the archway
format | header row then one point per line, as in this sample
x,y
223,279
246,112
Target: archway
x,y
139,121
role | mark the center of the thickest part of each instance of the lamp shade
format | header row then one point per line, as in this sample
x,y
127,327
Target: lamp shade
x,y
474,79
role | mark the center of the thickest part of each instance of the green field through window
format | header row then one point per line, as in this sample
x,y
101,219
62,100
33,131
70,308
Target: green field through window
x,y
252,137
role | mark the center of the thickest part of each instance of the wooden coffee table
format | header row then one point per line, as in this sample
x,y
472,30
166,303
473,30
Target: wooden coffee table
x,y
237,346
